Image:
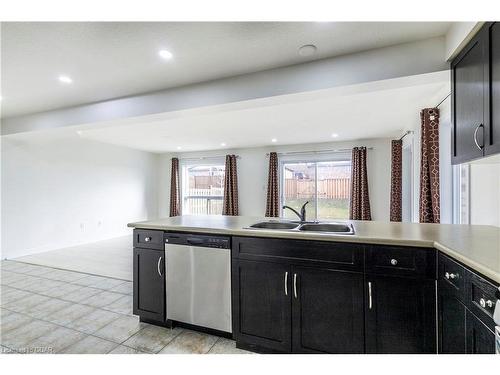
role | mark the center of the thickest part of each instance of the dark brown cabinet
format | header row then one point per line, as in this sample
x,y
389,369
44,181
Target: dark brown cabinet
x,y
469,95
475,79
480,340
149,284
261,305
465,310
327,311
400,315
286,300
278,307
452,320
492,133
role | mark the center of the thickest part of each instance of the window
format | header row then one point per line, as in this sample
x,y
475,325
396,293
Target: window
x,y
326,184
202,189
461,194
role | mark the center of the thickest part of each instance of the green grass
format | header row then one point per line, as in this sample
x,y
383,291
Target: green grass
x,y
329,209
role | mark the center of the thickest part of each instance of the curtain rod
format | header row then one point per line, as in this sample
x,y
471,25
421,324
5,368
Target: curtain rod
x,y
338,150
441,102
208,157
407,133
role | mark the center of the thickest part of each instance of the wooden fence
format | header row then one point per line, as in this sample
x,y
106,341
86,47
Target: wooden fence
x,y
203,205
204,201
206,182
332,188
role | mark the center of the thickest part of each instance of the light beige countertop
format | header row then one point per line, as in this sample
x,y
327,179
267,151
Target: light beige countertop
x,y
477,246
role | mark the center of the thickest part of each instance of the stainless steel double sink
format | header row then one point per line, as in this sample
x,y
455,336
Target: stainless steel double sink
x,y
297,226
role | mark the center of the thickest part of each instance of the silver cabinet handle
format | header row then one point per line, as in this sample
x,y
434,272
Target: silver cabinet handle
x,y
147,239
295,285
370,305
286,283
475,137
158,266
394,262
449,275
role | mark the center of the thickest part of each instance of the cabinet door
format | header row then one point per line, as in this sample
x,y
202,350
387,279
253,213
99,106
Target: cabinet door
x,y
492,135
149,284
451,323
400,315
480,340
327,311
262,305
469,95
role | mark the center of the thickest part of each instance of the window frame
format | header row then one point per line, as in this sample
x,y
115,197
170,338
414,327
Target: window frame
x,y
187,163
457,193
309,158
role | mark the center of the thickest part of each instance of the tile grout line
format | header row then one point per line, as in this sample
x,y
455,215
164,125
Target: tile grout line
x,y
74,282
216,341
180,333
75,302
60,269
70,283
72,329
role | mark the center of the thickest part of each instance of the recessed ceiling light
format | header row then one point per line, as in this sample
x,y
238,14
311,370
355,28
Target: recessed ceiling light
x,y
334,135
65,79
223,144
307,50
179,148
165,54
274,140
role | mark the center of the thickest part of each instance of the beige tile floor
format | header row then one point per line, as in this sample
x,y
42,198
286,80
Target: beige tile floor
x,y
111,258
47,310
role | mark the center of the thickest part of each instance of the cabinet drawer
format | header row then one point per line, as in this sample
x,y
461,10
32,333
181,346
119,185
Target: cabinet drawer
x,y
481,298
401,261
338,255
148,239
452,274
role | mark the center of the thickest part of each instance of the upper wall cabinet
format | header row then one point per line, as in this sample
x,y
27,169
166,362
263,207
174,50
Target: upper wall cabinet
x,y
492,134
475,79
468,98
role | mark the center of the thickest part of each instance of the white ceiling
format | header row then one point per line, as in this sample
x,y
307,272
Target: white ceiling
x,y
108,60
369,110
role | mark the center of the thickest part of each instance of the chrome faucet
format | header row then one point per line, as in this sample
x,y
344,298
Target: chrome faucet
x,y
302,214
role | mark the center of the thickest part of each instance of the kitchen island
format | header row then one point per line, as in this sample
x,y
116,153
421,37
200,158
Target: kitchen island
x,y
373,291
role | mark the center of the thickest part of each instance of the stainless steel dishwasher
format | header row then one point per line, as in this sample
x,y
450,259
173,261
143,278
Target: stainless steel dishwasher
x,y
198,280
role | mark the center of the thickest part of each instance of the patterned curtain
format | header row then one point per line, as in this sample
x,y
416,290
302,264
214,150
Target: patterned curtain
x,y
359,208
429,166
272,203
230,204
396,180
175,204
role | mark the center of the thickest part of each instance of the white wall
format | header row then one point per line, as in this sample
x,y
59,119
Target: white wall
x,y
60,190
485,194
458,35
445,169
253,171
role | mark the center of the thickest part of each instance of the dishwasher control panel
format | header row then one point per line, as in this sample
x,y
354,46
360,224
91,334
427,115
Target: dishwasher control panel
x,y
199,240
